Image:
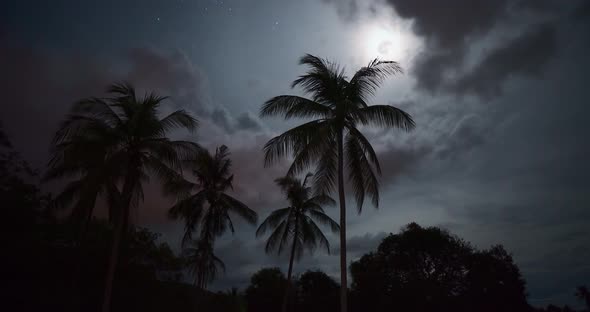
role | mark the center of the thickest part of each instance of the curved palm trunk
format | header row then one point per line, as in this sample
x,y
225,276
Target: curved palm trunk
x,y
288,288
120,230
341,199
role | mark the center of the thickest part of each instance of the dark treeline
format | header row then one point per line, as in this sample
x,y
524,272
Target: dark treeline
x,y
60,257
418,269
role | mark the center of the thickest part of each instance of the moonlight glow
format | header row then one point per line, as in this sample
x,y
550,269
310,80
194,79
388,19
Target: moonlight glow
x,y
386,41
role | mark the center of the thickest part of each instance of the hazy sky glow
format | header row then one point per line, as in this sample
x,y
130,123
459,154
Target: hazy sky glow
x,y
498,90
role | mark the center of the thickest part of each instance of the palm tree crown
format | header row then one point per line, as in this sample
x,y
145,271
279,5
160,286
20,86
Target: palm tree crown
x,y
209,208
338,106
105,142
296,224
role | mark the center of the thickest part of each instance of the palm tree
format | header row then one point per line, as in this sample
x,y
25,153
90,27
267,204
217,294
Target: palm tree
x,y
338,107
117,141
203,264
208,210
583,294
296,224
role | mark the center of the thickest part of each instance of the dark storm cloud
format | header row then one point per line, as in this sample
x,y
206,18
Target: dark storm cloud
x,y
397,161
468,133
247,121
40,87
526,55
582,12
171,74
221,117
447,25
450,29
38,90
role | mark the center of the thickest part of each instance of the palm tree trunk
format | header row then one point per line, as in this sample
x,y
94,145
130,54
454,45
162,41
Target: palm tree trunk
x,y
290,271
79,245
120,230
341,199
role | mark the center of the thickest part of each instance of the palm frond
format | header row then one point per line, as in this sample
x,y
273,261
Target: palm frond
x,y
363,180
308,152
240,208
167,175
324,219
273,220
178,119
284,144
276,237
366,80
190,208
324,179
318,234
291,106
322,200
325,80
366,147
97,108
383,116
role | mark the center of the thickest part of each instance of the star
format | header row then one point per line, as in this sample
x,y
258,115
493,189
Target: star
x,y
157,19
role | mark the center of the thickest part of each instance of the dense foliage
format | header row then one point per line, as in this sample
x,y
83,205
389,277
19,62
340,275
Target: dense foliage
x,y
428,269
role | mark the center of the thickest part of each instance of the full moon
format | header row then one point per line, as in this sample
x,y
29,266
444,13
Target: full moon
x,y
385,41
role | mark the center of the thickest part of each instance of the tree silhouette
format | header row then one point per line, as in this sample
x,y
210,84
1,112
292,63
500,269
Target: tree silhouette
x,y
338,106
203,264
583,294
429,269
317,292
265,290
208,210
296,224
117,141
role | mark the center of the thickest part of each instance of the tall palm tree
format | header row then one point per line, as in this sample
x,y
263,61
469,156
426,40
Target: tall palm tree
x,y
583,294
207,211
338,107
203,264
296,224
111,146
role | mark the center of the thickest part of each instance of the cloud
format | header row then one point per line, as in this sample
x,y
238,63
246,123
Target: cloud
x,y
39,87
254,184
526,55
347,9
247,121
221,117
357,246
452,29
396,161
467,134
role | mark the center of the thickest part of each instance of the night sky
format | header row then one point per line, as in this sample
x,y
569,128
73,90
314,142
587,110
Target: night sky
x,y
498,89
